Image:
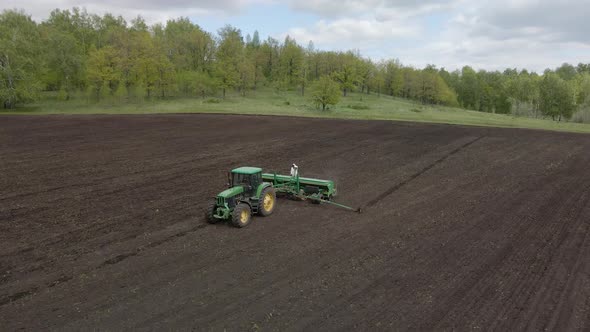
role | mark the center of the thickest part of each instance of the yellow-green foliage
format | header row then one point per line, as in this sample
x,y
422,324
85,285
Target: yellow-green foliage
x,y
325,92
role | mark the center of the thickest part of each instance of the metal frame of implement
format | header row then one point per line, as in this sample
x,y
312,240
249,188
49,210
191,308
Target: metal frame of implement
x,y
316,190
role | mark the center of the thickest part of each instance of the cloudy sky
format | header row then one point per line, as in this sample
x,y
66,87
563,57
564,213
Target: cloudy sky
x,y
532,34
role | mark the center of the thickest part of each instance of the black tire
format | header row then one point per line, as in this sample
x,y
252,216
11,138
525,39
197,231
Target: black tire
x,y
241,216
210,212
315,201
268,208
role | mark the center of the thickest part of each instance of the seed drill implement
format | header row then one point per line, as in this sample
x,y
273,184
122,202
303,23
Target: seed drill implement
x,y
252,192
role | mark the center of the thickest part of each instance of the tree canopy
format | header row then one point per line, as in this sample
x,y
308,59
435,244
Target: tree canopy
x,y
325,92
74,52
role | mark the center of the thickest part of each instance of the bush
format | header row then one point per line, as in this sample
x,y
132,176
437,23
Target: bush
x,y
524,110
582,116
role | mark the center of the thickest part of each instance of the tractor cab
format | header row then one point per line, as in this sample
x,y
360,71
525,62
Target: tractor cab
x,y
246,194
247,177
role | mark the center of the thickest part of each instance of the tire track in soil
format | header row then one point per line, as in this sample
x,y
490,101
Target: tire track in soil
x,y
62,237
345,253
516,248
383,278
7,299
102,181
174,174
17,296
570,287
539,278
286,267
398,186
557,320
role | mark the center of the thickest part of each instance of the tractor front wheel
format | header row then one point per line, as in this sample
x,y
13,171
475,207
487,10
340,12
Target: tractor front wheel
x,y
211,212
267,202
241,216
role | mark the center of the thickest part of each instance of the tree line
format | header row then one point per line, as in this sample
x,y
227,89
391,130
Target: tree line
x,y
557,94
75,53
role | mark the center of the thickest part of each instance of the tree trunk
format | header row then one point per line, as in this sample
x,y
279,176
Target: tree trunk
x,y
223,93
161,86
255,76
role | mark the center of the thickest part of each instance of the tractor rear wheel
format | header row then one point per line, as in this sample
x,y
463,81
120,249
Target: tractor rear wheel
x,y
267,201
211,212
241,216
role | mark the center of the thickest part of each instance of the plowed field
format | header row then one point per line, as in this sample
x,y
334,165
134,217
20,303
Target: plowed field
x,y
102,226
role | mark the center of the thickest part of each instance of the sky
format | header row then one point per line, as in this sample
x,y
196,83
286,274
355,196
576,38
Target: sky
x,y
491,35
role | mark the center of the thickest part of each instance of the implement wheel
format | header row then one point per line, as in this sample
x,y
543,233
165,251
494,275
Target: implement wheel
x,y
241,216
211,212
317,201
267,202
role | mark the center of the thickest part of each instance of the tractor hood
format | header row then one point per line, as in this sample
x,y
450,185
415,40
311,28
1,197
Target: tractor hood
x,y
231,192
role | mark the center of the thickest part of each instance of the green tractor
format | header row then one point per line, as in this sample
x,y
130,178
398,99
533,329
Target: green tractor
x,y
247,194
252,192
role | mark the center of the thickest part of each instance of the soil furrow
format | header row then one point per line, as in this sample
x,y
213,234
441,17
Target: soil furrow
x,y
102,226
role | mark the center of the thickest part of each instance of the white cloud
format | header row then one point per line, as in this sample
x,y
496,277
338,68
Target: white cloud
x,y
354,24
152,10
552,21
532,34
358,32
525,33
397,8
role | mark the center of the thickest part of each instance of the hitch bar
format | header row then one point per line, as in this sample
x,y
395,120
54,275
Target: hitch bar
x,y
358,210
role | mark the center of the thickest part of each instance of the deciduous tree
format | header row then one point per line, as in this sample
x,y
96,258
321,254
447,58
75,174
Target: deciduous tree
x,y
325,92
20,59
557,97
229,57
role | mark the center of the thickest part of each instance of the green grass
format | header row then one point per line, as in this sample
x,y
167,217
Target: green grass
x,y
268,102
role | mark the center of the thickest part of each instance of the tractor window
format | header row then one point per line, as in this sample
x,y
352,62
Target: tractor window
x,y
257,178
240,179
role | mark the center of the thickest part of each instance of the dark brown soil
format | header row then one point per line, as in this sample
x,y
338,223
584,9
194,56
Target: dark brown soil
x,y
101,226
